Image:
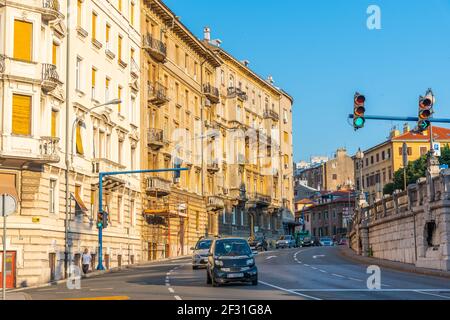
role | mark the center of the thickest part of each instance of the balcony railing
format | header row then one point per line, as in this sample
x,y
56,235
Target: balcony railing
x,y
51,10
49,149
155,138
211,92
157,187
2,63
215,203
271,114
260,199
155,48
134,69
50,77
234,92
213,166
157,94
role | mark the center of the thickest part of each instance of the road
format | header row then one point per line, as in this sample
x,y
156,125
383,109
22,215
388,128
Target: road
x,y
317,273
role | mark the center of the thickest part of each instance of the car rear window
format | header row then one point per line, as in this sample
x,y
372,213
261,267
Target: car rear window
x,y
204,244
232,247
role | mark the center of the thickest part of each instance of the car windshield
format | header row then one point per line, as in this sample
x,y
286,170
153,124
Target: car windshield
x,y
204,244
325,239
232,247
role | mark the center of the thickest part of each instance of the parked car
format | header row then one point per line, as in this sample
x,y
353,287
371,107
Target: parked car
x,y
231,260
343,242
326,242
258,243
306,242
286,241
200,253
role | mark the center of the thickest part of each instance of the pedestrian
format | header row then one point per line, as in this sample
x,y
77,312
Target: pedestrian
x,y
86,260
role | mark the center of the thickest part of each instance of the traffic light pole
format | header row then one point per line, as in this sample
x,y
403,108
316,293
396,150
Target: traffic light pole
x,y
412,119
101,175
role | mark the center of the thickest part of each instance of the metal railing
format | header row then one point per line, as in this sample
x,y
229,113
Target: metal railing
x,y
210,90
2,63
236,92
155,135
154,45
134,68
269,113
158,184
157,93
51,4
216,202
49,72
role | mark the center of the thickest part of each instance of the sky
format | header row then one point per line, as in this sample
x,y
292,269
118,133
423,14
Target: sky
x,y
321,52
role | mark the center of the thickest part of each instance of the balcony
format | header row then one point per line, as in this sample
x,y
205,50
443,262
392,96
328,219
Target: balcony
x,y
51,10
110,183
156,139
213,167
215,203
157,187
2,63
260,199
155,48
157,94
233,92
50,77
28,152
238,194
271,114
211,92
134,69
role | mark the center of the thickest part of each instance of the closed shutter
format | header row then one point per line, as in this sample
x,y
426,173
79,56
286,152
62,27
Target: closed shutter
x,y
132,13
23,39
21,117
54,54
54,117
94,26
119,96
119,49
94,73
80,149
79,12
108,29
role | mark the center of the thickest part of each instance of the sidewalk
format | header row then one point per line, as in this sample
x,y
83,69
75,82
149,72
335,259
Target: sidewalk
x,y
349,254
16,296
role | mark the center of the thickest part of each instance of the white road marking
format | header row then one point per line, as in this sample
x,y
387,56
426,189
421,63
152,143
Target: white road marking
x,y
318,256
424,291
270,257
177,298
167,284
322,271
171,290
338,275
311,267
306,265
100,289
433,294
288,290
354,279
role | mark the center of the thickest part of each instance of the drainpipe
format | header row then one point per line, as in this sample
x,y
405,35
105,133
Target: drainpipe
x,y
67,141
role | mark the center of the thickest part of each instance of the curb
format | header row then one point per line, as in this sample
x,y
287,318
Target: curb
x,y
99,273
349,254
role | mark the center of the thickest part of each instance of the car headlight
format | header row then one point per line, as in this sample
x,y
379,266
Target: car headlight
x,y
218,263
250,262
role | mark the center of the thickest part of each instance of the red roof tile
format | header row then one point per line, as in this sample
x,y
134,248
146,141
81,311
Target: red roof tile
x,y
439,133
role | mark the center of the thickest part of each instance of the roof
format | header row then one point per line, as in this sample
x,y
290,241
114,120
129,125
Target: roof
x,y
439,133
305,201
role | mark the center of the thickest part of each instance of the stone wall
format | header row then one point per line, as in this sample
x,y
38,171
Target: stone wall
x,y
412,226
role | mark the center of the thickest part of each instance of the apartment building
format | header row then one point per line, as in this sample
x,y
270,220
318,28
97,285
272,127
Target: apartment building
x,y
35,134
381,161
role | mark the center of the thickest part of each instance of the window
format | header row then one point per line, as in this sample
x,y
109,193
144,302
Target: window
x,y
93,80
383,155
224,217
55,50
133,158
107,82
120,151
286,137
371,160
132,213
54,125
119,5
197,220
119,96
21,115
23,40
79,13
334,176
423,151
107,35
119,49
367,162
52,196
242,217
94,26
93,197
132,13
132,110
78,74
120,209
378,157
233,216
79,141
222,77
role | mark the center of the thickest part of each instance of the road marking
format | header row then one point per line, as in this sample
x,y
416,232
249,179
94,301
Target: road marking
x,y
338,275
100,289
177,297
41,290
433,294
171,290
288,290
306,265
168,274
102,298
322,271
319,256
354,279
270,257
167,284
424,291
311,267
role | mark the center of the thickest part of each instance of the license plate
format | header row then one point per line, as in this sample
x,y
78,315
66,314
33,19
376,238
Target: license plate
x,y
235,275
205,260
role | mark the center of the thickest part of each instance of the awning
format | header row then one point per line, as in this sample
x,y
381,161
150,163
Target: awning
x,y
160,212
80,202
8,185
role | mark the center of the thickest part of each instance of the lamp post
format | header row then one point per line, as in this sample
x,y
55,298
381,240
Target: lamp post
x,y
69,163
360,157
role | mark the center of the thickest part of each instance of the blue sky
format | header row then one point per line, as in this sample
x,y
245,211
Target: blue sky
x,y
321,52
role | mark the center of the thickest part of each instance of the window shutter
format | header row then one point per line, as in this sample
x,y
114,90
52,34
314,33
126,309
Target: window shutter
x,y
119,49
80,149
23,38
54,116
21,117
54,54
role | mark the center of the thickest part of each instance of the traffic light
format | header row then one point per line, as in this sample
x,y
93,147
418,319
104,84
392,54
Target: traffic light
x,y
177,173
102,219
425,111
358,111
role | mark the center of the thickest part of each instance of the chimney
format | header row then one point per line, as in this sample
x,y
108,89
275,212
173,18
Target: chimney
x,y
406,128
207,34
245,62
394,132
270,79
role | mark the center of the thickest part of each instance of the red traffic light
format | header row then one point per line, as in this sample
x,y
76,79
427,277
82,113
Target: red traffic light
x,y
359,99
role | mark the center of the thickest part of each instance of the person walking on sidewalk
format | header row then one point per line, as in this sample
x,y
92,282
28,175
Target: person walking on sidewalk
x,y
86,260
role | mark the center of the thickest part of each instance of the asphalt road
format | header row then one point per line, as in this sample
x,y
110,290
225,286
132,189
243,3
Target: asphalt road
x,y
318,273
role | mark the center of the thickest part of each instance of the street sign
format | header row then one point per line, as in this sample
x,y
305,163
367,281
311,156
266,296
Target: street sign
x,y
437,149
9,206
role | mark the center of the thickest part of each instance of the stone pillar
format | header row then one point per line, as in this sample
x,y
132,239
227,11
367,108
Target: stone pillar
x,y
364,236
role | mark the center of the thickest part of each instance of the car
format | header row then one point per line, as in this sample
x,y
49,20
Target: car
x,y
306,242
258,243
286,241
200,253
343,242
231,260
326,242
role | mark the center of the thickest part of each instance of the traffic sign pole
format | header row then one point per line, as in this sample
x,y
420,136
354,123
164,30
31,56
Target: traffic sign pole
x,y
4,246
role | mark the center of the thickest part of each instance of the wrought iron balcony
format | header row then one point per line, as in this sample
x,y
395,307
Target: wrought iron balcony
x,y
50,77
157,94
51,10
211,92
156,138
2,63
234,92
157,186
271,114
134,69
260,199
155,48
213,167
215,203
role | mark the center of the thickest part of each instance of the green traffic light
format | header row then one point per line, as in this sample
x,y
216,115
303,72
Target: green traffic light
x,y
424,124
359,122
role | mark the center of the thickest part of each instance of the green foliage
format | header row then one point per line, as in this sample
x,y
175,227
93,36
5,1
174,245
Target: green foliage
x,y
415,170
